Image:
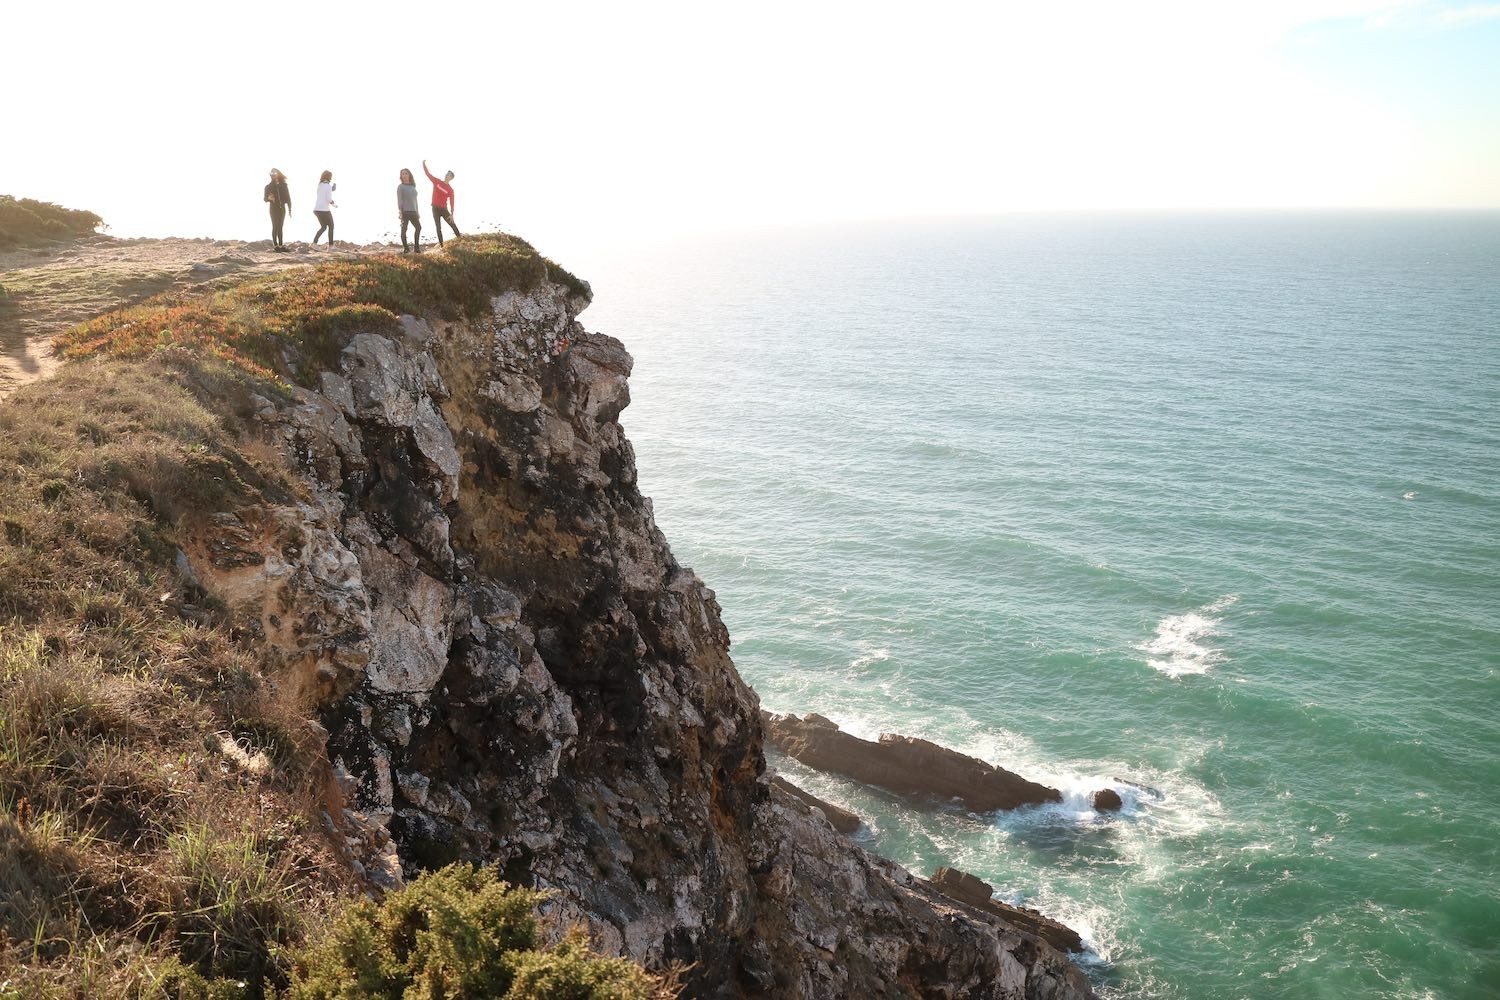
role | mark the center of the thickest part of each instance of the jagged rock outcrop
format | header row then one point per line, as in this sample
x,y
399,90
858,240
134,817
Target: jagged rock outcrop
x,y
838,817
511,667
904,764
974,891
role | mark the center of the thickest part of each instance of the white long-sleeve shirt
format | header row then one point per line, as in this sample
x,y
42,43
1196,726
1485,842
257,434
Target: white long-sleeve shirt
x,y
325,197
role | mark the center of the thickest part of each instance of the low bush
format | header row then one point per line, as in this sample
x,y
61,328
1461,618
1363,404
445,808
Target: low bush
x,y
457,933
27,222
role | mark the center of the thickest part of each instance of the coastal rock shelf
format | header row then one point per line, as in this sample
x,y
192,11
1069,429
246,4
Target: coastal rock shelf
x,y
838,817
512,668
973,891
904,764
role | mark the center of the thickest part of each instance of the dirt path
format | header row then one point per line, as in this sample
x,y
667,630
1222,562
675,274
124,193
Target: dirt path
x,y
49,289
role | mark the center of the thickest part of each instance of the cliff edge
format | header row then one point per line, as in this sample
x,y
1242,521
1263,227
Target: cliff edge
x,y
458,577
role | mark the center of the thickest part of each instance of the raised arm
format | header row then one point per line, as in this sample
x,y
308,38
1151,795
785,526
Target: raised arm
x,y
428,172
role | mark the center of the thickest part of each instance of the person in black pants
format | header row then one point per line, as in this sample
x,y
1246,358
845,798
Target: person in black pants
x,y
279,197
406,207
442,202
324,205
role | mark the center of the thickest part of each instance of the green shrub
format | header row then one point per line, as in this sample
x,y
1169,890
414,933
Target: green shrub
x,y
25,222
458,933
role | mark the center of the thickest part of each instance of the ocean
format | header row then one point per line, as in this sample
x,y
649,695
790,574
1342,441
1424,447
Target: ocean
x,y
1205,509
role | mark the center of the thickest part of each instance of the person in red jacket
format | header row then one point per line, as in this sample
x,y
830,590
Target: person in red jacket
x,y
442,202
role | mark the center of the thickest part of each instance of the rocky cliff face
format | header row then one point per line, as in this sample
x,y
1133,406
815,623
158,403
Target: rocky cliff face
x,y
511,667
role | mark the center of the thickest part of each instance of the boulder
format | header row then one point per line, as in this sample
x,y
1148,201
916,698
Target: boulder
x,y
904,764
1107,800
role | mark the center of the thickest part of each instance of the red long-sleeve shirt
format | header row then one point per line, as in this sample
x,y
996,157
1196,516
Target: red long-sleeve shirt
x,y
442,191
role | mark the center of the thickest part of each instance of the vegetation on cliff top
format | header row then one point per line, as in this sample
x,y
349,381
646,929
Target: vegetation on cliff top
x,y
27,222
159,794
292,325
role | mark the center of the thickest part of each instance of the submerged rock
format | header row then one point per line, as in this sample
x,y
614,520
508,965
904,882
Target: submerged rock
x,y
904,764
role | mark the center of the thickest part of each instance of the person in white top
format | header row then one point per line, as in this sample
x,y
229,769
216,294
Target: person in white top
x,y
324,205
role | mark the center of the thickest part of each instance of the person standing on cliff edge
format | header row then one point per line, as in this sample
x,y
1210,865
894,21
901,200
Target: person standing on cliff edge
x,y
406,207
442,202
279,197
324,206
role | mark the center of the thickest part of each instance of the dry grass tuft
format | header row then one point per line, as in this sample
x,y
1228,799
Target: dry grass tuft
x,y
132,849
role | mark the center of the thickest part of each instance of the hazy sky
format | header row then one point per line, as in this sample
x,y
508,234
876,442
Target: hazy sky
x,y
596,123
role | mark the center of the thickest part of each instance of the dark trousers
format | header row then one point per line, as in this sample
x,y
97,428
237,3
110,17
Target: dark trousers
x,y
278,216
439,213
414,220
326,220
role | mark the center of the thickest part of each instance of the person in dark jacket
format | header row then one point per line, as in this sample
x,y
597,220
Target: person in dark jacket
x,y
406,206
279,197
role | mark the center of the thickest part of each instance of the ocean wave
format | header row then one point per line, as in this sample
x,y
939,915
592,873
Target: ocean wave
x,y
1180,647
869,656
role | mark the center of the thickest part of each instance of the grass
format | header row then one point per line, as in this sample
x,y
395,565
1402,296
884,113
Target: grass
x,y
27,222
124,841
292,325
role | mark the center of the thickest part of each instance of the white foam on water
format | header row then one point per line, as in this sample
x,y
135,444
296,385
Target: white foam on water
x,y
1181,646
870,655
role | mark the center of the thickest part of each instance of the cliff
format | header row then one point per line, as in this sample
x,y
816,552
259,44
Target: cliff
x,y
456,573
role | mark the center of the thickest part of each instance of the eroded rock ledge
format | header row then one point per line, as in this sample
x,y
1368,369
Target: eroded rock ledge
x,y
904,764
973,891
838,817
512,668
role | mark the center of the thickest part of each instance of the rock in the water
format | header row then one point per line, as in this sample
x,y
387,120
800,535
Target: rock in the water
x,y
973,891
842,819
904,764
1107,800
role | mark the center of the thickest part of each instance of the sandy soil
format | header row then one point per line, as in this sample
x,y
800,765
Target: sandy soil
x,y
49,289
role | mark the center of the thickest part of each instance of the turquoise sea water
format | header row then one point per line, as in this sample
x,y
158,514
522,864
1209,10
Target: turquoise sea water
x,y
1211,505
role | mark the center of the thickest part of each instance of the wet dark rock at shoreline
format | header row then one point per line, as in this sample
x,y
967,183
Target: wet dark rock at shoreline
x,y
904,764
1107,800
